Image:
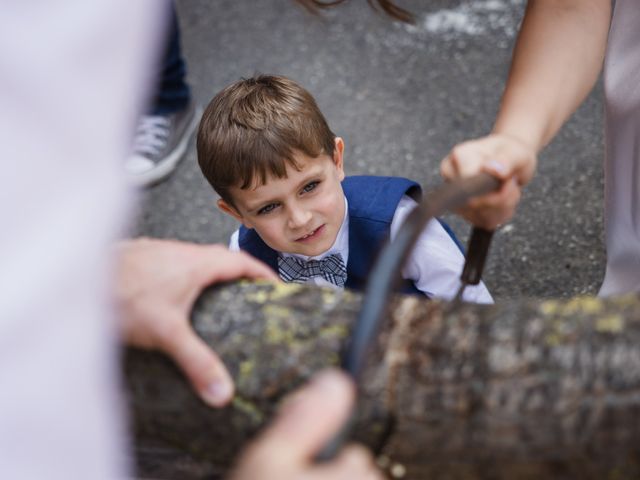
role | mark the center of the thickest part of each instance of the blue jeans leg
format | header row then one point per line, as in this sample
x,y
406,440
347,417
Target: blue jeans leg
x,y
172,92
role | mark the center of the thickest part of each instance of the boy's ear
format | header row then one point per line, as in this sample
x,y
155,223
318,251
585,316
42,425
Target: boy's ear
x,y
231,210
338,156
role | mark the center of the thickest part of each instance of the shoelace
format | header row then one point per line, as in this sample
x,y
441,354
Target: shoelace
x,y
152,134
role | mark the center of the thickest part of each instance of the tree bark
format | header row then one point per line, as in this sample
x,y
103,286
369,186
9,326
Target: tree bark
x,y
523,389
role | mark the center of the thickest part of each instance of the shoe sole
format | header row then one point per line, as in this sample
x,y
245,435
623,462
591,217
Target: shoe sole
x,y
164,168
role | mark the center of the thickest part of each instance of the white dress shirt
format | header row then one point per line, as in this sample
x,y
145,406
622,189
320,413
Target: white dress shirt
x,y
434,265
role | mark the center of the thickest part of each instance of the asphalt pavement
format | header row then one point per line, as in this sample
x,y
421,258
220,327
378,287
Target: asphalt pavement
x,y
401,96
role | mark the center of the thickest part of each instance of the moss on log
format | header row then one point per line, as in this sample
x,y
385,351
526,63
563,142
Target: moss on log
x,y
523,389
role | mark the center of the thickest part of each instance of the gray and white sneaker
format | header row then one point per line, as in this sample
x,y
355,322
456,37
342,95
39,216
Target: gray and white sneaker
x,y
160,143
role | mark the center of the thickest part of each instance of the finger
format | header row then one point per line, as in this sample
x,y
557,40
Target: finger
x,y
487,218
354,463
232,265
311,419
498,168
511,194
491,210
507,196
447,168
250,267
204,369
494,200
508,159
466,159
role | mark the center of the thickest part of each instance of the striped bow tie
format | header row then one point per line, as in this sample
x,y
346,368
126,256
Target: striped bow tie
x,y
331,268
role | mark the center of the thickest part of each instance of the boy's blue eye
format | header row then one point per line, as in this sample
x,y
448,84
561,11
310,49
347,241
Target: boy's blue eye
x,y
267,209
310,186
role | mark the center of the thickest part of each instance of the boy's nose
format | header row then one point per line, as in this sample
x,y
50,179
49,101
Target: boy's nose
x,y
299,217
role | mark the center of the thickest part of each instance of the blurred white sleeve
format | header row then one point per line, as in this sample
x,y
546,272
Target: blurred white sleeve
x,y
72,82
436,262
234,244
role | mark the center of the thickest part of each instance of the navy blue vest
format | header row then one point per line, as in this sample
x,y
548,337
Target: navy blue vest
x,y
372,204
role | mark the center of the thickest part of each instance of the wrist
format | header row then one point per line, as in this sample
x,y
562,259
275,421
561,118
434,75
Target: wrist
x,y
526,137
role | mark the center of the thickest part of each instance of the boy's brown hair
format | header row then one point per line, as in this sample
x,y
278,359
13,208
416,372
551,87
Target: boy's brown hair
x,y
252,129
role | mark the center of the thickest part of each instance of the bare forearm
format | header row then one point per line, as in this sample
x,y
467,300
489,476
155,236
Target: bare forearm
x,y
557,60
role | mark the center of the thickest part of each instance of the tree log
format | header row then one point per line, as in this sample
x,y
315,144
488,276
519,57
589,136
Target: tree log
x,y
522,389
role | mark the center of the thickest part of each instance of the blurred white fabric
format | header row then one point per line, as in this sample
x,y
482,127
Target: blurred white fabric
x,y
622,165
72,78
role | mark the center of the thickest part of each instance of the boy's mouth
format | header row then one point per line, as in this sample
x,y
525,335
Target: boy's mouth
x,y
311,235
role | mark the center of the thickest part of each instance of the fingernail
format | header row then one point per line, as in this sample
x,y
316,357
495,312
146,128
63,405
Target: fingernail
x,y
497,167
218,393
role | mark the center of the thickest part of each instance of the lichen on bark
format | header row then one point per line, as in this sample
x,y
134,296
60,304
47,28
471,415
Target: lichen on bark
x,y
523,389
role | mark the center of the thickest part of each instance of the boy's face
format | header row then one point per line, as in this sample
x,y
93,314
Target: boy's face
x,y
301,213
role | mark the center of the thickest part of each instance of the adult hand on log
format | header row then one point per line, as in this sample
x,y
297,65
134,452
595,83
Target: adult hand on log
x,y
503,156
307,421
158,282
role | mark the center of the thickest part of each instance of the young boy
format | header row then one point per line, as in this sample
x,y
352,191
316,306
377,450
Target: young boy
x,y
266,149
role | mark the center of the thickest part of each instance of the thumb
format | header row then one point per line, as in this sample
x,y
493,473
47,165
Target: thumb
x,y
510,157
310,418
204,369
